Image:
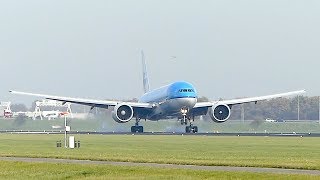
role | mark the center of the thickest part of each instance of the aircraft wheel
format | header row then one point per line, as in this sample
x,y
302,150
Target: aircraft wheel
x,y
191,129
195,129
188,129
133,129
137,129
140,129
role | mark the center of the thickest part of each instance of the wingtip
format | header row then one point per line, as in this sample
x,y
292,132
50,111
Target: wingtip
x,y
13,92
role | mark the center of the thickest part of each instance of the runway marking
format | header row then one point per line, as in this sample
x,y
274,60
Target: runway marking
x,y
193,167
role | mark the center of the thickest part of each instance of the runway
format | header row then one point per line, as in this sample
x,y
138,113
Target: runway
x,y
155,165
168,133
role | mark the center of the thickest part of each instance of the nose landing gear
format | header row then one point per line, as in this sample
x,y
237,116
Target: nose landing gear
x,y
184,121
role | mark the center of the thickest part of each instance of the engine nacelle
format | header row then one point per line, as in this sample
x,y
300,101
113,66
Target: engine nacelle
x,y
220,113
122,113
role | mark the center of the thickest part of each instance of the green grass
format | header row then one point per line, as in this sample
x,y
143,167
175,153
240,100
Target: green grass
x,y
23,170
283,152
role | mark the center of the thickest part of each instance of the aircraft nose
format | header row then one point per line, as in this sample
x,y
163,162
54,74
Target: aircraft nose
x,y
192,102
188,102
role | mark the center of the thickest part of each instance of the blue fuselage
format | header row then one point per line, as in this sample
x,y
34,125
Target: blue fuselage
x,y
170,99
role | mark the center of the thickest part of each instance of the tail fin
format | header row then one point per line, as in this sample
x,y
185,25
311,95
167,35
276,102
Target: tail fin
x,y
145,74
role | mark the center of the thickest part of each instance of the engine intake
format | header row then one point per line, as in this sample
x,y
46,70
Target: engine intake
x,y
220,113
122,113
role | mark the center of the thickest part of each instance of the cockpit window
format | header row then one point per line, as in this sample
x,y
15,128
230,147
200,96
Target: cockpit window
x,y
186,90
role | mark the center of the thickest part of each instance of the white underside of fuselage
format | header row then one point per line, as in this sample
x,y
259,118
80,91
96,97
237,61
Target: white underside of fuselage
x,y
171,108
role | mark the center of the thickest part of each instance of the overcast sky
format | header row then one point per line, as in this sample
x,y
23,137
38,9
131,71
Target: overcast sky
x,y
91,49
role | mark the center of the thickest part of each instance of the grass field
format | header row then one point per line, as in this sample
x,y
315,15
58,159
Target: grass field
x,y
22,170
284,152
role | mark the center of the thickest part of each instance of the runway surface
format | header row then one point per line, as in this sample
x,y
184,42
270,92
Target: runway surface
x,y
167,133
193,167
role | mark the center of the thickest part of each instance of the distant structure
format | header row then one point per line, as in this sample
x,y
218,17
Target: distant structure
x,y
51,114
6,110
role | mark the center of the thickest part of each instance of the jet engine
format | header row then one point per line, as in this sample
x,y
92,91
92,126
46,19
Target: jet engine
x,y
220,113
122,113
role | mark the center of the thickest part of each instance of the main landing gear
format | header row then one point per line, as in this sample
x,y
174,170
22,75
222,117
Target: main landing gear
x,y
136,128
184,121
191,128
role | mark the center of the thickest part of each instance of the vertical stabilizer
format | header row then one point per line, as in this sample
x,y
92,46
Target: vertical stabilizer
x,y
145,74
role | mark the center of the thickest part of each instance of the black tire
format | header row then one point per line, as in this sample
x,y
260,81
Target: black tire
x,y
137,129
133,129
195,129
188,129
140,129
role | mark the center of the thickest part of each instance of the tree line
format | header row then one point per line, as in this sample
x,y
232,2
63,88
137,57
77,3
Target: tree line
x,y
280,109
277,109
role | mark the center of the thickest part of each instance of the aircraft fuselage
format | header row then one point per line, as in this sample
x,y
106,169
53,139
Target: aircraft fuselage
x,y
170,99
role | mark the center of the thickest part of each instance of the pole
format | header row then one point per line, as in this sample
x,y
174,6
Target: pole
x,y
298,108
319,109
65,131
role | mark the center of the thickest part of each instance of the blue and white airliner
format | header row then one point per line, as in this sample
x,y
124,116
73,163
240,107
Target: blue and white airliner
x,y
175,100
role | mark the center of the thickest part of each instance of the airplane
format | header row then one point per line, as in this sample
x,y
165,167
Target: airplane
x,y
175,100
51,114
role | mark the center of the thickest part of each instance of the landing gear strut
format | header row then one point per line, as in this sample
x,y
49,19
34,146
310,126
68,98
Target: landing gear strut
x,y
136,128
184,120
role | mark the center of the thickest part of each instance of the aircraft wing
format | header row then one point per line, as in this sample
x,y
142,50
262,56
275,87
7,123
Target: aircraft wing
x,y
247,100
82,101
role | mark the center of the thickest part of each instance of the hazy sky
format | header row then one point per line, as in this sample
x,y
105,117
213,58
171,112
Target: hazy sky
x,y
226,48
